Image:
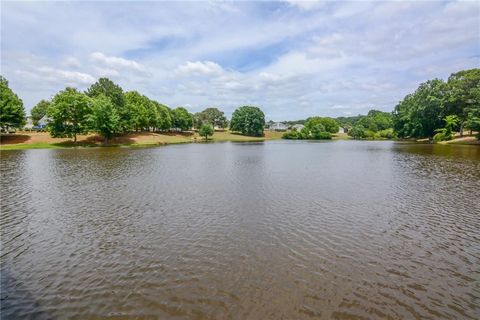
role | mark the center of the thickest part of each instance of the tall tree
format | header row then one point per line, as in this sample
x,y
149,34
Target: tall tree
x,y
464,94
473,120
39,111
419,114
164,120
12,113
329,124
137,105
182,119
206,130
114,92
104,119
70,113
211,115
248,120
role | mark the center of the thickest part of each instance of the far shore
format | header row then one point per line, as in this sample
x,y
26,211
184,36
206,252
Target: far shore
x,y
42,140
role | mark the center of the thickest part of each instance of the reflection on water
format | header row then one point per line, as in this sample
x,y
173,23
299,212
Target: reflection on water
x,y
272,230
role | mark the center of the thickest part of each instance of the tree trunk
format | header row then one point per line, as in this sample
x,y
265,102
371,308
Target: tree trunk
x,y
461,129
74,138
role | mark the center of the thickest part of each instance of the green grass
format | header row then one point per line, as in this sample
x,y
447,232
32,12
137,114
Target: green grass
x,y
160,139
24,146
341,136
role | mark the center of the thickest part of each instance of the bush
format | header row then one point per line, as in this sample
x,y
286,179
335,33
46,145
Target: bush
x,y
386,134
439,137
357,132
291,135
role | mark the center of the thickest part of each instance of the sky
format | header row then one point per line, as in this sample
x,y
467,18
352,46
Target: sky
x,y
292,59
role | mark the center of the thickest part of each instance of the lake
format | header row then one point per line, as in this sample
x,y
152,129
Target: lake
x,y
269,230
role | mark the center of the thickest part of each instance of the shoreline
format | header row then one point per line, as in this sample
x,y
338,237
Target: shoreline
x,y
42,140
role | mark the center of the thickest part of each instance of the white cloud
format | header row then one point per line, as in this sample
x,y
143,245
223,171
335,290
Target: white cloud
x,y
294,60
116,62
199,67
57,76
307,5
72,62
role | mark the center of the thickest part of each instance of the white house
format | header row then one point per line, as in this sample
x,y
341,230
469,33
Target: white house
x,y
298,127
42,123
341,130
29,124
278,126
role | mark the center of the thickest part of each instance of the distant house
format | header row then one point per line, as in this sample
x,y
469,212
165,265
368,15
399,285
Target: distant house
x,y
29,124
298,127
341,130
42,123
278,126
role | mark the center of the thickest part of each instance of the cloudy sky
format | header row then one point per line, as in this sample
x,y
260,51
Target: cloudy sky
x,y
293,59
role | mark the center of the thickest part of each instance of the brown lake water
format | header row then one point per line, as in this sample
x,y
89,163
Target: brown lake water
x,y
274,230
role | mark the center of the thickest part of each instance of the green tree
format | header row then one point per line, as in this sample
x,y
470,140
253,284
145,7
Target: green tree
x,y
39,111
137,106
357,132
419,114
206,130
211,115
473,120
164,119
318,132
464,94
104,119
182,119
70,113
12,113
115,93
329,124
382,120
248,120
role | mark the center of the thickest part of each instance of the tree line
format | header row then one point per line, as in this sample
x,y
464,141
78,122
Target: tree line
x,y
437,107
435,110
315,128
104,108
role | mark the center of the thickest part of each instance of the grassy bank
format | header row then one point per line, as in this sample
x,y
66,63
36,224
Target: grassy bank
x,y
42,140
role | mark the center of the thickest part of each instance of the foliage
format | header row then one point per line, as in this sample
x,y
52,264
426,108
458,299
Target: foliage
x,y
473,120
328,124
464,94
12,113
39,111
446,132
248,120
293,135
182,119
211,115
206,130
104,119
385,134
70,114
313,129
419,114
114,92
137,106
163,117
357,132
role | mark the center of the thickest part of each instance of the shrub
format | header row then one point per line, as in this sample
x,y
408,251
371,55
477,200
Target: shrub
x,y
357,132
291,135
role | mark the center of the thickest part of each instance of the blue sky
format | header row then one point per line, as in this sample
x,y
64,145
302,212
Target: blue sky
x,y
293,59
